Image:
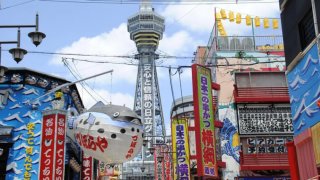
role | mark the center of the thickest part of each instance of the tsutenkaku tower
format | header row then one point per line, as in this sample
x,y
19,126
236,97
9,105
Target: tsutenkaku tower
x,y
146,29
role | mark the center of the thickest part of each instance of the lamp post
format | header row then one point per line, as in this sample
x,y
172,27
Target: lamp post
x,y
18,53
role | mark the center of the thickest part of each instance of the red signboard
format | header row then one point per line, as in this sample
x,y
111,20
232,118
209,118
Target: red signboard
x,y
167,163
87,167
60,146
204,121
47,147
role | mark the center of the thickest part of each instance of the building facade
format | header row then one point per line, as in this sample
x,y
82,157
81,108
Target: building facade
x,y
301,40
264,124
22,125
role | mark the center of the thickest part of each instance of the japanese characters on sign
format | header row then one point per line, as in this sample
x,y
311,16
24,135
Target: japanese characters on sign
x,y
132,146
158,166
264,118
47,147
147,98
204,121
89,142
29,150
87,167
180,147
266,144
167,163
60,147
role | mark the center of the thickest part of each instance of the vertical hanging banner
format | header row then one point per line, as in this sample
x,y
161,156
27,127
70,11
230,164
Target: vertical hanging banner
x,y
167,163
60,136
53,137
158,166
204,121
180,149
87,167
47,147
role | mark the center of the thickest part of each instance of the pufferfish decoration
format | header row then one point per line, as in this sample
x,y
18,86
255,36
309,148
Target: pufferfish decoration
x,y
109,133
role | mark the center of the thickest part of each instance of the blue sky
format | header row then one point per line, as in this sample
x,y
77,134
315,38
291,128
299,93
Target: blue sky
x,y
101,29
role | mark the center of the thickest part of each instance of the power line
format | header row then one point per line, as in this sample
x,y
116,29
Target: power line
x,y
74,75
15,5
176,67
160,2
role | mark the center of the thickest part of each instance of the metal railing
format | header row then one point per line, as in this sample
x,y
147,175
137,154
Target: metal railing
x,y
249,43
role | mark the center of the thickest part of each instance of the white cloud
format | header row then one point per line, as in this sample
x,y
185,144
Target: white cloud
x,y
106,97
200,18
115,42
179,44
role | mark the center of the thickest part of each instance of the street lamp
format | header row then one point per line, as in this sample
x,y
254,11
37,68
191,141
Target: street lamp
x,y
18,53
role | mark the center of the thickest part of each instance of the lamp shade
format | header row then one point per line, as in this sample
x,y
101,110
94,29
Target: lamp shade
x,y
275,23
18,53
238,18
223,14
231,16
248,20
36,37
266,23
257,21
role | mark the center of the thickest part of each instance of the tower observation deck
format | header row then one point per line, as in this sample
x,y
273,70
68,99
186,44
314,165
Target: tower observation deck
x,y
146,28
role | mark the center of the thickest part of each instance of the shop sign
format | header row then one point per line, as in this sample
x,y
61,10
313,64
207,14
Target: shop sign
x,y
204,121
47,147
180,149
87,167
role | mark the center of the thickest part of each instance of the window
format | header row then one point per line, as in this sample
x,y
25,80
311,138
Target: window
x,y
306,30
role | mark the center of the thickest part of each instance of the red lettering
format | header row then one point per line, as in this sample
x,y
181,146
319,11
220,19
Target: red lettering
x,y
132,146
134,138
102,143
89,142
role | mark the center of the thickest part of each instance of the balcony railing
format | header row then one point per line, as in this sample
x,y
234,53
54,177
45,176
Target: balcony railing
x,y
261,94
249,43
267,161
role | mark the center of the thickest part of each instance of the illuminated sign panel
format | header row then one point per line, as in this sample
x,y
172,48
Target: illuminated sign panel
x,y
180,149
204,121
264,119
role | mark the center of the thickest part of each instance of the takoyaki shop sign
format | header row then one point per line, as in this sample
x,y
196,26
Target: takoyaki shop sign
x,y
204,121
180,148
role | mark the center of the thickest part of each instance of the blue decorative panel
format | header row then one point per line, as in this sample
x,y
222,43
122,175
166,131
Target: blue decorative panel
x,y
304,88
20,109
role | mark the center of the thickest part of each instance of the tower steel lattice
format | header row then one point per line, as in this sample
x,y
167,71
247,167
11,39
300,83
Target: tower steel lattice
x,y
146,28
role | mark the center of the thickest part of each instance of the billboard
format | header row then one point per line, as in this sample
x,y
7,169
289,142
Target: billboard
x,y
260,144
180,149
304,89
204,121
264,119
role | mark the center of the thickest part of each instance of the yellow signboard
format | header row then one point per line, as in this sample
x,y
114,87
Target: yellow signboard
x,y
316,142
180,148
